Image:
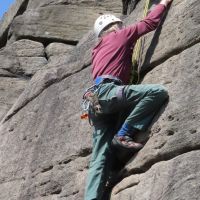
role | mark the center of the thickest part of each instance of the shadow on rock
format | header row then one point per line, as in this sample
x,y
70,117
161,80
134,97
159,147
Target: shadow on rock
x,y
150,51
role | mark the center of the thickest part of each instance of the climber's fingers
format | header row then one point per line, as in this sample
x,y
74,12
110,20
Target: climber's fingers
x,y
165,2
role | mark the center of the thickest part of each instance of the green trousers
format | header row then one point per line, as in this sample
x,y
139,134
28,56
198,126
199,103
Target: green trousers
x,y
139,103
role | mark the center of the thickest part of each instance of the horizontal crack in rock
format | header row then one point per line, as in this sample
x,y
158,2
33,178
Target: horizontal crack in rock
x,y
16,75
83,153
48,168
149,164
12,180
161,157
170,54
46,41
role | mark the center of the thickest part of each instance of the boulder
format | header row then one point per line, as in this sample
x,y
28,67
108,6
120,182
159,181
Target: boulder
x,y
58,49
23,57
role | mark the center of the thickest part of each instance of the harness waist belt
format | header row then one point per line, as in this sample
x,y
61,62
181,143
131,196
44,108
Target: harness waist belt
x,y
101,79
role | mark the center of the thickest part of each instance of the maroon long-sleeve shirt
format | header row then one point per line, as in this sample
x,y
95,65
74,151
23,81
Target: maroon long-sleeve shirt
x,y
113,54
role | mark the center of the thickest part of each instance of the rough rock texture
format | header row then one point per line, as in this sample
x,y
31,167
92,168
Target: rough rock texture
x,y
19,61
17,8
186,32
182,21
79,59
56,21
58,49
177,178
53,155
10,89
58,53
23,57
114,6
45,148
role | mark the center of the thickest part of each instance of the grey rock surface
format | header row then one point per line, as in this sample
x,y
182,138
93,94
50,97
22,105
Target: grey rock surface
x,y
172,36
45,148
23,57
114,6
10,89
55,72
19,61
64,23
173,179
16,8
58,49
55,157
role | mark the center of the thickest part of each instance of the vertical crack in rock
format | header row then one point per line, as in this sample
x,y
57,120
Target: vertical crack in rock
x,y
22,8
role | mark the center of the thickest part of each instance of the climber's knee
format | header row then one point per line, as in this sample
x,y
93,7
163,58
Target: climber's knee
x,y
160,92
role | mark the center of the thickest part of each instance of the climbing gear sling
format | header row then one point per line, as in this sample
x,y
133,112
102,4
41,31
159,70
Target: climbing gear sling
x,y
136,58
90,101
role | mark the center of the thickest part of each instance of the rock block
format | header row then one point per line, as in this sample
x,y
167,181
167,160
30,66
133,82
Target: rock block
x,y
173,179
23,57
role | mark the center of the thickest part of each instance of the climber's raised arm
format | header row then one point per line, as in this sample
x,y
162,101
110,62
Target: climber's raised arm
x,y
149,23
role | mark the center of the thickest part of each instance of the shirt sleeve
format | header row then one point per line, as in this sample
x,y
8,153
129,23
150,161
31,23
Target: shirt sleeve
x,y
148,24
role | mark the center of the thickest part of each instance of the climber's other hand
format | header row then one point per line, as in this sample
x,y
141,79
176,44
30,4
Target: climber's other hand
x,y
165,2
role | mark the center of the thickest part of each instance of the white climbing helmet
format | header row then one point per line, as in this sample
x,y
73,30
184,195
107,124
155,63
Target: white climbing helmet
x,y
103,21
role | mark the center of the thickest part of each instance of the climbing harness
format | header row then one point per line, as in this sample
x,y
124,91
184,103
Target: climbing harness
x,y
90,101
136,58
107,78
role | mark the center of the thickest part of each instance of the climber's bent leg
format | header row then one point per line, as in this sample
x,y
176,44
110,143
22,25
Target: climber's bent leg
x,y
146,101
143,101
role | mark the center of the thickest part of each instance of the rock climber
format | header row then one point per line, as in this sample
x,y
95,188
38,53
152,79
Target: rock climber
x,y
111,69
